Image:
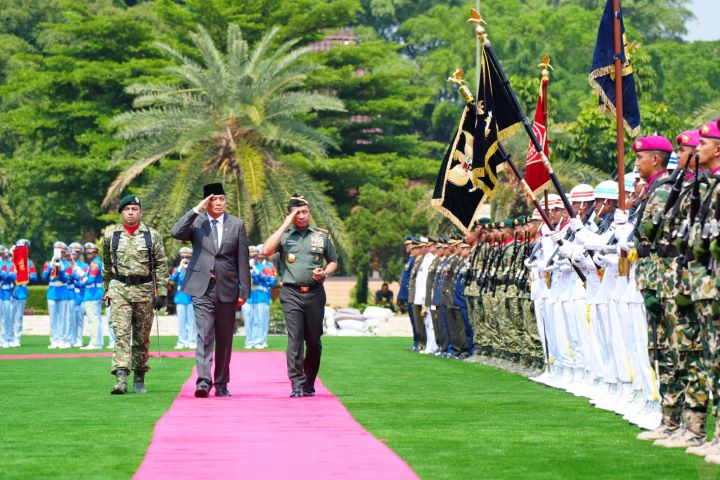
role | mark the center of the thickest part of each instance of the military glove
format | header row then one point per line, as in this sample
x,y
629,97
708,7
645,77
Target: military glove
x,y
556,237
625,246
159,302
715,250
565,250
620,217
575,224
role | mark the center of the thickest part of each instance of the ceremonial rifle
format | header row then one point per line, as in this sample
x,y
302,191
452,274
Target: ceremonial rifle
x,y
510,267
660,216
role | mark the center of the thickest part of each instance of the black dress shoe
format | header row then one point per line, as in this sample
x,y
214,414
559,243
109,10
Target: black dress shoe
x,y
308,391
202,391
296,393
222,392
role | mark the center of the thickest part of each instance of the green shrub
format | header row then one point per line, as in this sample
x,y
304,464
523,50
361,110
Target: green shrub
x,y
37,302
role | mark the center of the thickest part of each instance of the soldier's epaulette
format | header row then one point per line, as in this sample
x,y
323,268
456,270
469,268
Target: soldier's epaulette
x,y
324,230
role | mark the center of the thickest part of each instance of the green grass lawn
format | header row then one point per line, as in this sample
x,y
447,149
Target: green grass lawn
x,y
447,419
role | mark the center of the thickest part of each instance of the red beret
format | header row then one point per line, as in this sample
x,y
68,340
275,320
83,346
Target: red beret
x,y
710,130
690,138
653,142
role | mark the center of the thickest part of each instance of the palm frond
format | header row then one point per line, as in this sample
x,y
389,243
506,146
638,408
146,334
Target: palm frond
x,y
128,175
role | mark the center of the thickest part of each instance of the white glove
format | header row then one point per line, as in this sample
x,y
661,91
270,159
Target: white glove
x,y
620,217
565,250
625,246
575,224
556,237
79,271
528,263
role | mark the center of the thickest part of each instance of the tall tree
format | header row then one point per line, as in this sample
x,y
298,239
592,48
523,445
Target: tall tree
x,y
229,114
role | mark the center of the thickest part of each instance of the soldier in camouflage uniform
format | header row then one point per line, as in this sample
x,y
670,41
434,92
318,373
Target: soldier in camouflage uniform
x,y
685,341
704,275
652,155
132,275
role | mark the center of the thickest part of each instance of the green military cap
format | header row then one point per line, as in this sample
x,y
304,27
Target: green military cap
x,y
520,220
484,221
508,222
128,200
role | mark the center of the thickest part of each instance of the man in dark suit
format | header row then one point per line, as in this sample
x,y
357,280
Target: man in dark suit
x,y
217,277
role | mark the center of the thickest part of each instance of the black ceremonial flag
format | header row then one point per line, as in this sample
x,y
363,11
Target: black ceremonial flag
x,y
454,195
468,174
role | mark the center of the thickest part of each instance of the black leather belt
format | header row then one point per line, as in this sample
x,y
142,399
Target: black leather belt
x,y
132,279
303,288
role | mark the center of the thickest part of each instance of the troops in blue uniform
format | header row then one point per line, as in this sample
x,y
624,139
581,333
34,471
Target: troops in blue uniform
x,y
187,328
54,273
76,312
5,297
19,297
92,281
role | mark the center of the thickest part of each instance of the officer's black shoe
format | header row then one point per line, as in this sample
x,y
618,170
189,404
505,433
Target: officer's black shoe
x,y
296,392
202,391
120,387
222,392
308,391
139,382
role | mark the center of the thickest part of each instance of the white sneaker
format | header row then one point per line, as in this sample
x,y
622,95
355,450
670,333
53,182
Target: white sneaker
x,y
192,346
249,347
15,344
64,345
77,344
4,345
90,347
111,345
262,346
180,346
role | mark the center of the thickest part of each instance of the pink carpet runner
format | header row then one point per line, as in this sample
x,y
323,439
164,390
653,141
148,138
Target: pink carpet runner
x,y
261,433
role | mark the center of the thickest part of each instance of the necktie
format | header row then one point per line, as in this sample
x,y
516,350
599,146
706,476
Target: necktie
x,y
215,233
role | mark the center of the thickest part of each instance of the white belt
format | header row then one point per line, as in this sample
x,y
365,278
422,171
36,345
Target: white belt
x,y
6,287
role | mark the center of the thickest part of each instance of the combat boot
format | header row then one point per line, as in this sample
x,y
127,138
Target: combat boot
x,y
139,382
120,387
709,448
669,426
693,435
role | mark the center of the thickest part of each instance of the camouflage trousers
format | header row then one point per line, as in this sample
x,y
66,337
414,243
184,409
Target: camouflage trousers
x,y
131,322
709,313
511,321
494,311
671,389
685,342
476,313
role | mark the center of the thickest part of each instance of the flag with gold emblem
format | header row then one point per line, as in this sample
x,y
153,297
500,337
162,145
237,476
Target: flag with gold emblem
x,y
20,262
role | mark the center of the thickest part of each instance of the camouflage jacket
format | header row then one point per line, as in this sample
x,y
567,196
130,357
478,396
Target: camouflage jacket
x,y
650,267
133,260
703,272
666,240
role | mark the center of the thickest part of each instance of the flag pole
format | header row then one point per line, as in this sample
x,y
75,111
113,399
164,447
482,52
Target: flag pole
x,y
482,34
619,104
470,102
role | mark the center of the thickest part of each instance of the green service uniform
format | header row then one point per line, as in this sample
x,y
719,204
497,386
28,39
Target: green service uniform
x,y
128,281
303,299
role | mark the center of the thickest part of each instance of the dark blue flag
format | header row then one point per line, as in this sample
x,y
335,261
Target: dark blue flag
x,y
602,74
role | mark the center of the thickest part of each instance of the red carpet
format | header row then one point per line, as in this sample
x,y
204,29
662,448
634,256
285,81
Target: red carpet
x,y
261,433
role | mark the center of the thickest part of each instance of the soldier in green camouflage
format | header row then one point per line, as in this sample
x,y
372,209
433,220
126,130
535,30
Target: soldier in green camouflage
x,y
134,271
704,275
652,156
684,354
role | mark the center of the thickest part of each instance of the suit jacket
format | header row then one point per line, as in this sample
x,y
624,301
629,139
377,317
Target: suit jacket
x,y
230,263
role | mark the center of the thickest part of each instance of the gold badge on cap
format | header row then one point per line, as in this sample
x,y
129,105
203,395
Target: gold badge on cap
x,y
291,258
685,138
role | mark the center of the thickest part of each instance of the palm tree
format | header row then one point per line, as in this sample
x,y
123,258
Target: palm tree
x,y
227,117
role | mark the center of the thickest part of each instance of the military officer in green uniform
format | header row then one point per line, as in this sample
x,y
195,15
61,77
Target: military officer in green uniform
x,y
135,277
307,258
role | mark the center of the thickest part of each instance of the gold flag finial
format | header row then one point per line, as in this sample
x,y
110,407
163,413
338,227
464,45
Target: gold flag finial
x,y
457,79
546,67
477,19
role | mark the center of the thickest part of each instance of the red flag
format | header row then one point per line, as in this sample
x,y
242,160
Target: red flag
x,y
20,261
536,173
